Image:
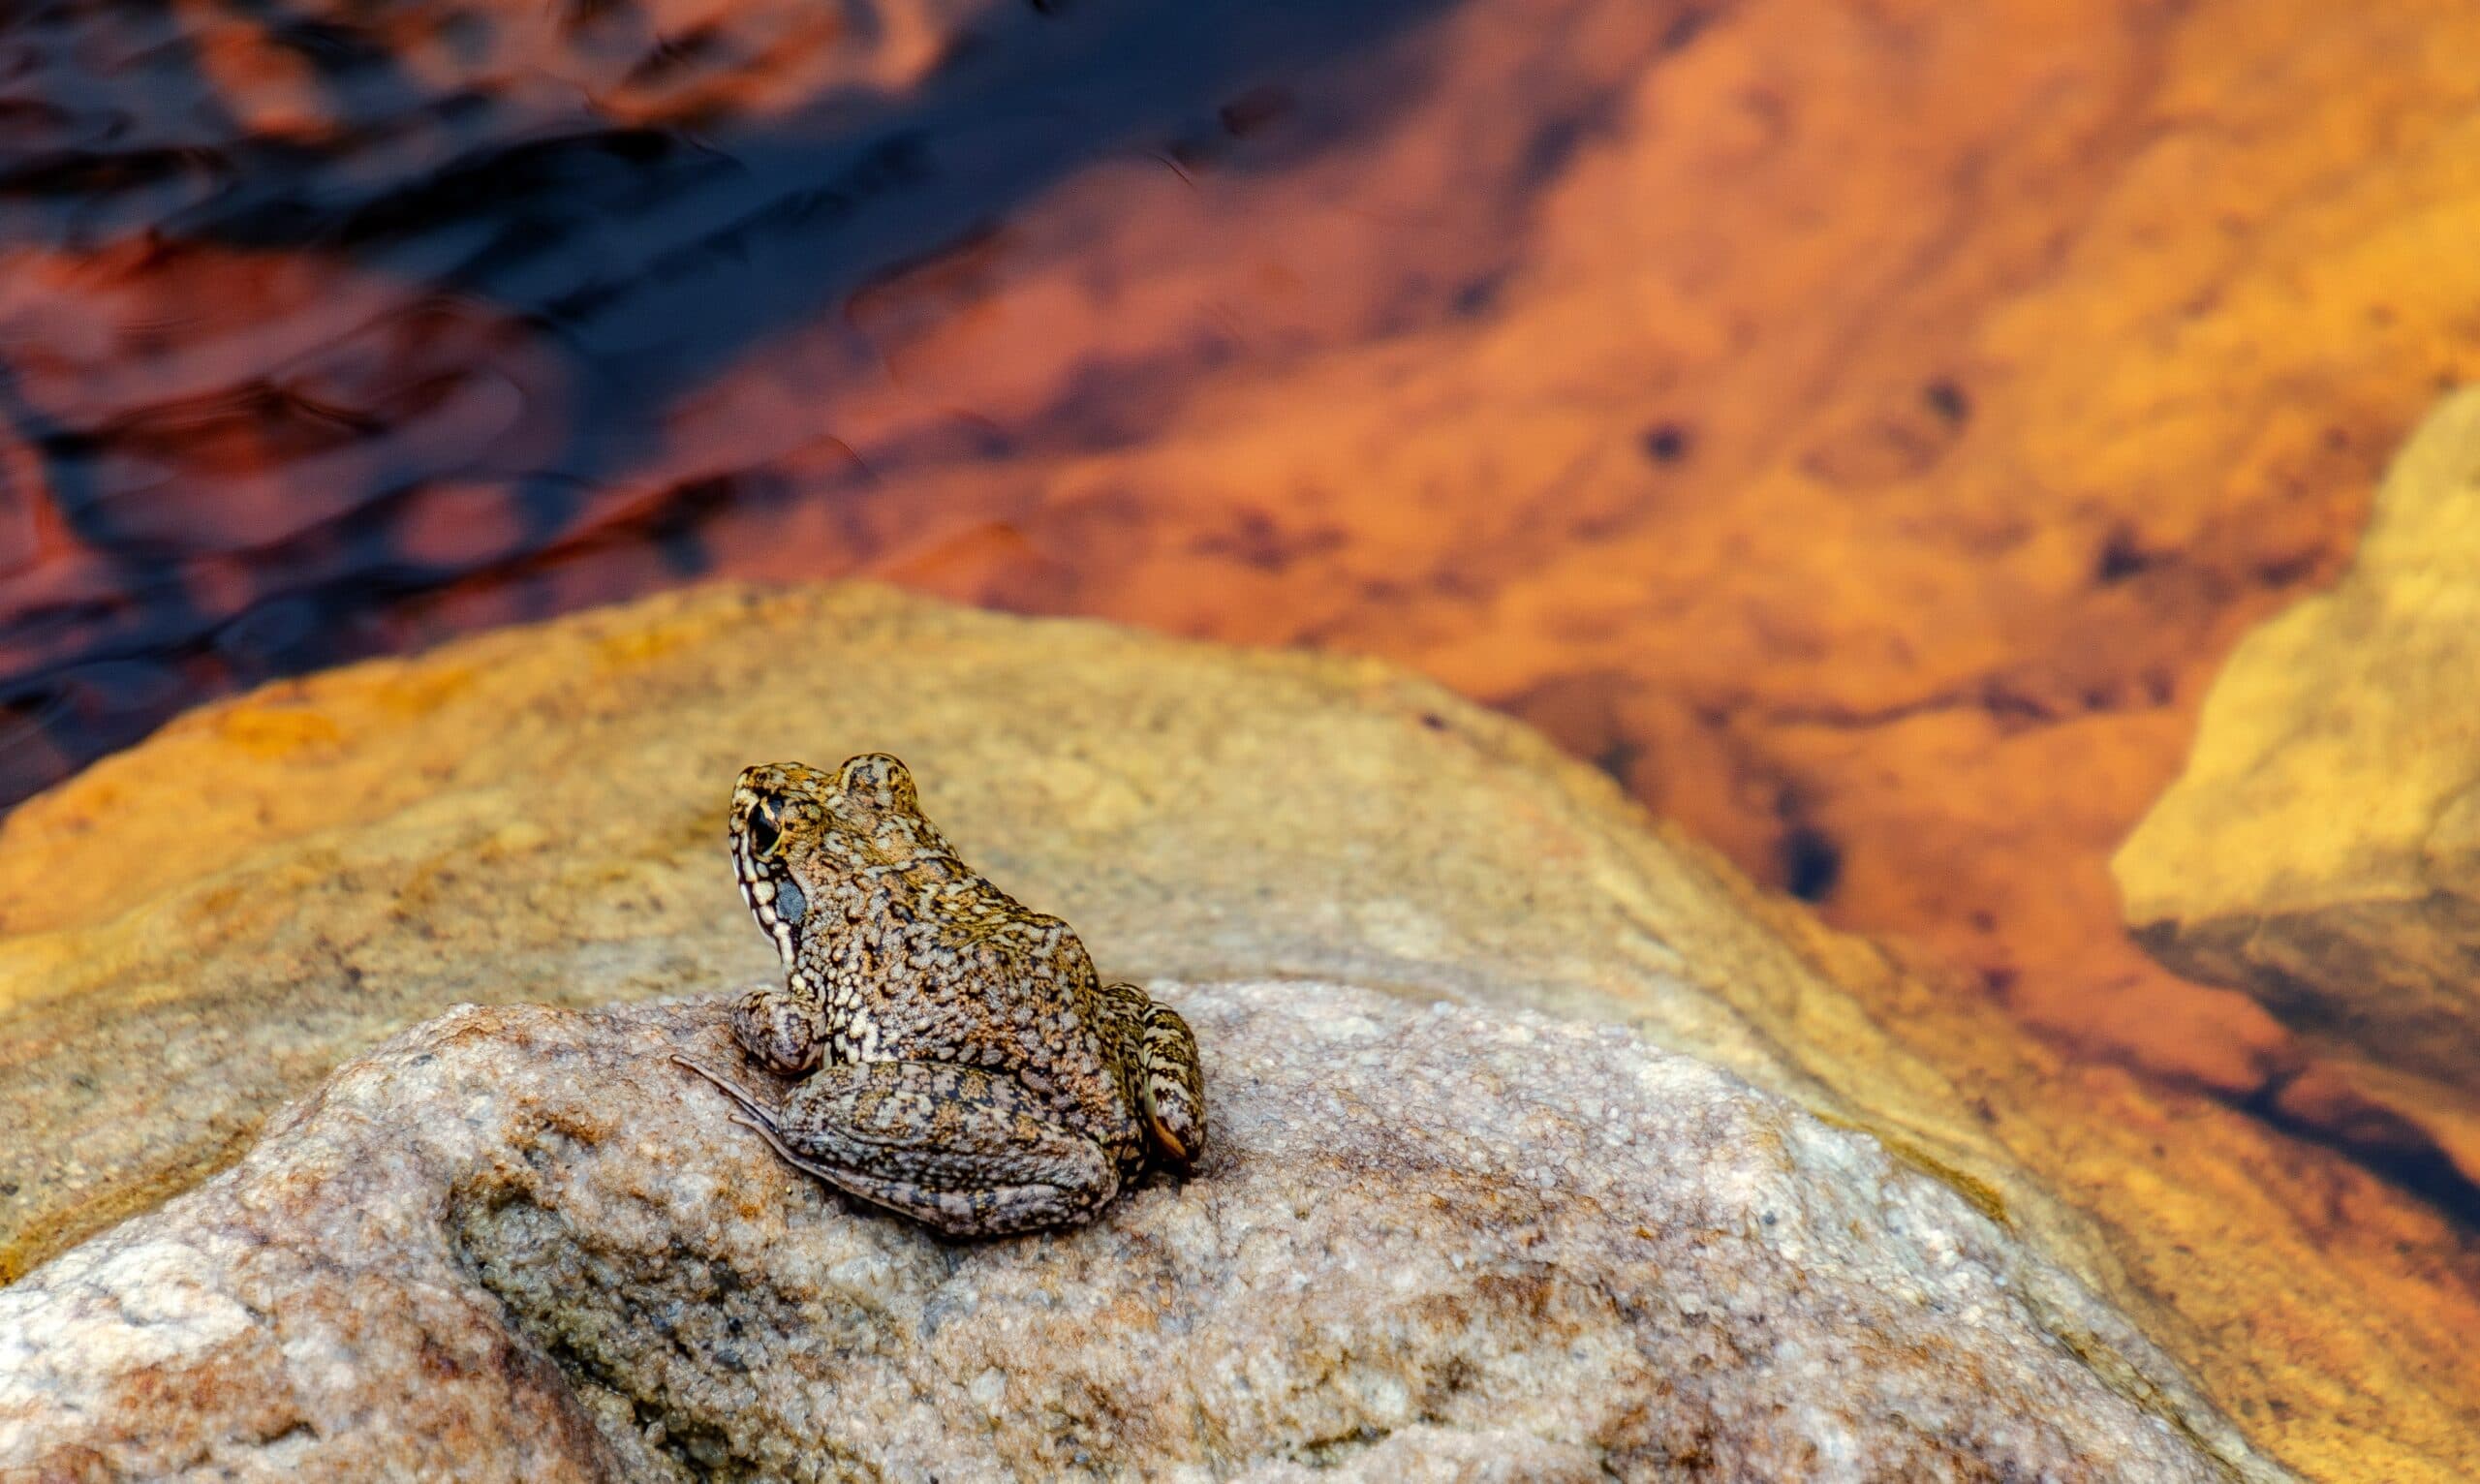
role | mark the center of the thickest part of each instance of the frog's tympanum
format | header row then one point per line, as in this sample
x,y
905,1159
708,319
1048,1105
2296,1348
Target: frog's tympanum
x,y
964,1064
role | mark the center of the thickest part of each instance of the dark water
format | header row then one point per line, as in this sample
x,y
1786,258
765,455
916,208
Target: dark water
x,y
313,309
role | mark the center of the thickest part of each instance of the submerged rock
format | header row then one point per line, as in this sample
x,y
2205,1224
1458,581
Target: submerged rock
x,y
2322,848
518,1242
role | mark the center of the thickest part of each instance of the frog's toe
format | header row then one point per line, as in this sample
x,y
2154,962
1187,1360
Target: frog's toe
x,y
1174,1090
729,1089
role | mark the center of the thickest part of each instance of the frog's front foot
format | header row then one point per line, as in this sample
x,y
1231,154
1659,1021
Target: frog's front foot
x,y
956,1148
781,1032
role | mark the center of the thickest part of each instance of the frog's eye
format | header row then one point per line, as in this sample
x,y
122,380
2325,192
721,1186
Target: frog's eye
x,y
763,834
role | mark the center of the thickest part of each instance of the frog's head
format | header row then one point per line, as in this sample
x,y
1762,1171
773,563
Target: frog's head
x,y
797,831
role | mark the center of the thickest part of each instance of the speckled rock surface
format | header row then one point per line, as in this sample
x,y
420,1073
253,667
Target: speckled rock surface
x,y
2322,848
521,1243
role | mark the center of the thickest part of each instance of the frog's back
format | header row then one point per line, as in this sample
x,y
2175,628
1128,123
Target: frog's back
x,y
961,971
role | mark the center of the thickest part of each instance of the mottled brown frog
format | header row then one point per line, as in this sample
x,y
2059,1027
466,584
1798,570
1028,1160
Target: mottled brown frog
x,y
965,1064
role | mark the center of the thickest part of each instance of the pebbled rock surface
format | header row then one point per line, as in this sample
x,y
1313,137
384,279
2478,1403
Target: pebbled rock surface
x,y
1432,1242
2322,848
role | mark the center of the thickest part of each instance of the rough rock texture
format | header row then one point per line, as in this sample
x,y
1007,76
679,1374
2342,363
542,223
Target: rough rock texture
x,y
1427,1235
275,883
2322,849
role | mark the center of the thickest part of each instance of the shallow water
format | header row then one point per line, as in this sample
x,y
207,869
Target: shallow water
x,y
312,310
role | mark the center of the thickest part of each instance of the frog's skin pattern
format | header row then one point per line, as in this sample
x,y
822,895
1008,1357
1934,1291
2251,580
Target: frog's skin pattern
x,y
966,1065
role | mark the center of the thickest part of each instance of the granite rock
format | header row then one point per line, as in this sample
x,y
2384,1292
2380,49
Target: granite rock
x,y
2322,848
1432,1242
537,815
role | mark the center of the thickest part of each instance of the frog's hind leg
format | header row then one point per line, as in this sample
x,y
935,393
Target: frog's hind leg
x,y
957,1148
1174,1088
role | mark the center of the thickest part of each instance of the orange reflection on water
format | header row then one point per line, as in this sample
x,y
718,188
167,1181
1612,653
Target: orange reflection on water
x,y
1861,429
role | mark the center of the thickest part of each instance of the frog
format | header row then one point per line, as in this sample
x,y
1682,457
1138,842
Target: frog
x,y
958,1059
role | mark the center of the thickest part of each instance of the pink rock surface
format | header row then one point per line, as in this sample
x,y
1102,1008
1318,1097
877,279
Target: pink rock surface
x,y
517,1241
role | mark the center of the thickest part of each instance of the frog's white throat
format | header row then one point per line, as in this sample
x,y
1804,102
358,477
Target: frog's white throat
x,y
773,898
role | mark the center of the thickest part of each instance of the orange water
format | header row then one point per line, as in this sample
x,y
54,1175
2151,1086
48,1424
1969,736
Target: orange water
x,y
1860,428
